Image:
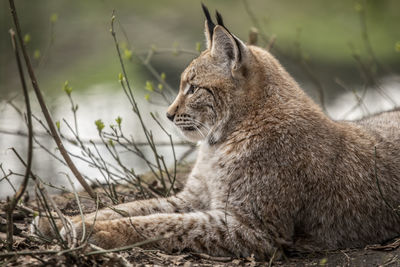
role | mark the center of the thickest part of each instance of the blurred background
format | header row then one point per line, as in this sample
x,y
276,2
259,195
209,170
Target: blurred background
x,y
344,54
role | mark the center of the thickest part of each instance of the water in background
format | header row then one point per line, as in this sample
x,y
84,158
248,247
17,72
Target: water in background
x,y
99,102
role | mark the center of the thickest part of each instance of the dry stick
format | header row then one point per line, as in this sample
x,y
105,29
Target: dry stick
x,y
13,202
138,244
38,252
45,111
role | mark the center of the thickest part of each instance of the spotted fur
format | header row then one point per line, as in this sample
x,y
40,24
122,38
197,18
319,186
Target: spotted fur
x,y
273,173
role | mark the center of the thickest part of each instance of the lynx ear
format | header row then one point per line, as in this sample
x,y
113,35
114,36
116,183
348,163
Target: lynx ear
x,y
208,27
228,48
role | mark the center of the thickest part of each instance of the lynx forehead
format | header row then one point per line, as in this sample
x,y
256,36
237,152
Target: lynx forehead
x,y
273,173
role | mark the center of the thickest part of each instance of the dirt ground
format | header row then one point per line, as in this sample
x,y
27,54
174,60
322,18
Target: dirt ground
x,y
28,251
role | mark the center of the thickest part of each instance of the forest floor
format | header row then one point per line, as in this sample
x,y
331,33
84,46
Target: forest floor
x,y
28,251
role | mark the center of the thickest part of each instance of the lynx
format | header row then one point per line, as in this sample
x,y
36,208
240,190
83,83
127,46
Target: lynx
x,y
273,172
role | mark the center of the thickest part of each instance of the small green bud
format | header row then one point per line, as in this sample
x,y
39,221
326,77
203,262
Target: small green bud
x,y
323,262
120,77
76,107
110,142
58,125
163,76
35,214
149,86
118,120
147,97
67,89
198,47
36,54
397,46
99,124
113,18
128,54
54,18
27,38
160,86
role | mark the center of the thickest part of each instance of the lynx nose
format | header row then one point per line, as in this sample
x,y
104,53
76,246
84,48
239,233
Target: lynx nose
x,y
170,117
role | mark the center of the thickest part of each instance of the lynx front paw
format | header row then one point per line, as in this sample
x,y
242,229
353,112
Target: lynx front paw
x,y
42,226
52,227
104,234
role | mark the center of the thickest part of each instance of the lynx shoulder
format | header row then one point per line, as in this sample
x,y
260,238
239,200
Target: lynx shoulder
x,y
274,173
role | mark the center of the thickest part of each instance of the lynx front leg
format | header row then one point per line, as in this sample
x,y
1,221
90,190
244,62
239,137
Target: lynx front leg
x,y
186,201
203,232
172,204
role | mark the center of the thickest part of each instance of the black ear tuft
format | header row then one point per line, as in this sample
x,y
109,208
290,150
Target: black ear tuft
x,y
220,21
210,23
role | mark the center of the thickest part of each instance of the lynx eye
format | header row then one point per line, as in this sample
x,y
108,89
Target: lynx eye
x,y
190,89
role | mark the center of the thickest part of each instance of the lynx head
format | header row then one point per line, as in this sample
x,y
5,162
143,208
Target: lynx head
x,y
212,85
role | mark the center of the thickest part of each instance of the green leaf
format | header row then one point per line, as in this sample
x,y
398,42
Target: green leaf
x,y
128,54
27,38
118,120
99,124
67,89
397,46
36,54
54,18
198,47
149,86
58,125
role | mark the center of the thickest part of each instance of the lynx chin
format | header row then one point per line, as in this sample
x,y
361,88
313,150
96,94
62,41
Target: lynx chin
x,y
273,173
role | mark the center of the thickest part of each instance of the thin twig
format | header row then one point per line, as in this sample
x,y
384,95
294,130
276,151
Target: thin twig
x,y
89,141
78,202
11,205
138,244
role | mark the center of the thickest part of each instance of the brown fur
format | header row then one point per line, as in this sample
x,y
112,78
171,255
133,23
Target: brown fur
x,y
273,171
